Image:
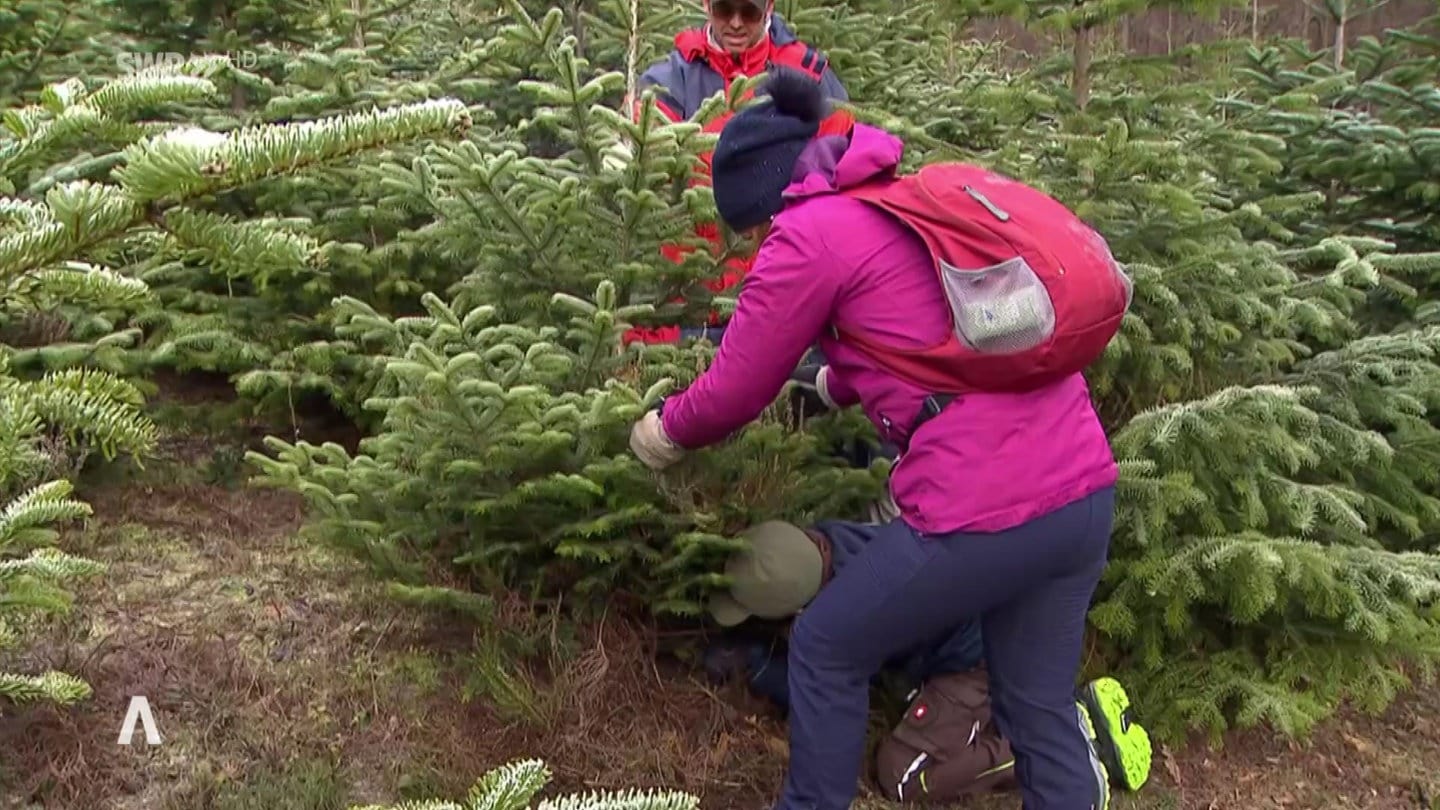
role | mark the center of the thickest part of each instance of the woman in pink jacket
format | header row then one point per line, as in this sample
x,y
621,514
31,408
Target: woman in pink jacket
x,y
1006,500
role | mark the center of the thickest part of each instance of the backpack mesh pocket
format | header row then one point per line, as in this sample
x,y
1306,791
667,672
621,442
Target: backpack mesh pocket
x,y
999,309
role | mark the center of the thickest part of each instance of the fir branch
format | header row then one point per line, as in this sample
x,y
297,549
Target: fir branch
x,y
83,403
624,800
257,248
46,564
52,687
513,786
25,521
82,284
81,214
189,162
32,585
509,787
147,89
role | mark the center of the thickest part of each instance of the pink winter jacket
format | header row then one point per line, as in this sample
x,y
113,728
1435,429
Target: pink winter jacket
x,y
988,462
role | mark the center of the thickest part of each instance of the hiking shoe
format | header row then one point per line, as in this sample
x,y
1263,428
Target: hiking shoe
x,y
1102,773
1124,744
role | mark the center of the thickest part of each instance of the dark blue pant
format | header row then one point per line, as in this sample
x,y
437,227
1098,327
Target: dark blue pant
x,y
1029,586
769,672
956,650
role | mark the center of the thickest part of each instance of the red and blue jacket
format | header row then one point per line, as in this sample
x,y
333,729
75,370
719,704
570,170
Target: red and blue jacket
x,y
697,69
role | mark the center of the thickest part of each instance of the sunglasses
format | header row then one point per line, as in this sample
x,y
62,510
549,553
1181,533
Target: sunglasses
x,y
725,9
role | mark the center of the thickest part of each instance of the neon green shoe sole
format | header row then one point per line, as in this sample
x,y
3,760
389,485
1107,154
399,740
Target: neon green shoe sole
x,y
1102,773
1123,743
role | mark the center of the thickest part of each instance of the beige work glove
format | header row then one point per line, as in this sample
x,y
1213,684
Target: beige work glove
x,y
885,509
650,444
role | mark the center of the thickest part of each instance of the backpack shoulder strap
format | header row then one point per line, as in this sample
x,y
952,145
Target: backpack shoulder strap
x,y
939,203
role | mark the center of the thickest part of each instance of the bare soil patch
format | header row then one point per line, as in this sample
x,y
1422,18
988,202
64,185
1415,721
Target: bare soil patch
x,y
267,660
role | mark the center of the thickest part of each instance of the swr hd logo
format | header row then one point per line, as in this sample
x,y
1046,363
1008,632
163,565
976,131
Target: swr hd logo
x,y
139,712
134,62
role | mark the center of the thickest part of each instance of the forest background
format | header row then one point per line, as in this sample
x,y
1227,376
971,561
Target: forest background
x,y
314,405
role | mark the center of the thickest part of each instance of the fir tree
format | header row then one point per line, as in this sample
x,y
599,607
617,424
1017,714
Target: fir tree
x,y
222,27
513,786
356,59
1364,139
528,429
178,165
1079,21
447,220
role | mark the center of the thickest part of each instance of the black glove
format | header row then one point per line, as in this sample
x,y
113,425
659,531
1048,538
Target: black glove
x,y
808,397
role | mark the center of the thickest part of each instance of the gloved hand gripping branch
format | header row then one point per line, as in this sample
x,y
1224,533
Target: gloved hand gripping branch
x,y
650,444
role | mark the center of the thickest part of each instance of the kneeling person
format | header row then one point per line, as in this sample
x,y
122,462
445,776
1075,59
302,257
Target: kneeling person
x,y
947,745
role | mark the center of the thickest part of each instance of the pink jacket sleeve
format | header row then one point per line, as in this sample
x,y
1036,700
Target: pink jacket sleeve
x,y
787,300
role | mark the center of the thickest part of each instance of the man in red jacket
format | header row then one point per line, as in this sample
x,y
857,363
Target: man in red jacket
x,y
740,38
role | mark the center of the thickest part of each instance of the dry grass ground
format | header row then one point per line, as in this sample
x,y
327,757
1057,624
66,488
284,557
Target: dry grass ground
x,y
280,677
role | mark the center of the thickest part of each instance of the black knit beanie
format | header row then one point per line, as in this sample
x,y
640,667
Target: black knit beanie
x,y
758,147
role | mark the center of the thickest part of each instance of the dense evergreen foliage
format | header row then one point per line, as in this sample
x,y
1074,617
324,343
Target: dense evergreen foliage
x,y
437,218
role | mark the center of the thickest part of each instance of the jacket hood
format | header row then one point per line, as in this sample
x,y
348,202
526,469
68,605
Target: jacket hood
x,y
834,163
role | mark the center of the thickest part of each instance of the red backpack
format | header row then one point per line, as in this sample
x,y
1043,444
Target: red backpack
x,y
1034,293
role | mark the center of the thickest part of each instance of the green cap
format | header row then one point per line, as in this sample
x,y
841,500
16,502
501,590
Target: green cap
x,y
777,575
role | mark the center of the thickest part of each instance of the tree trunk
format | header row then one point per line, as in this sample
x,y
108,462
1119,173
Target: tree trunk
x,y
1080,77
1340,34
359,33
632,55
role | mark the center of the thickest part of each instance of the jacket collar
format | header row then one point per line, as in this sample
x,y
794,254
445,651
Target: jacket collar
x,y
699,45
834,163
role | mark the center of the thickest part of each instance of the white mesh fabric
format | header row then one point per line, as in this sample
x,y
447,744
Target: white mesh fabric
x,y
1001,309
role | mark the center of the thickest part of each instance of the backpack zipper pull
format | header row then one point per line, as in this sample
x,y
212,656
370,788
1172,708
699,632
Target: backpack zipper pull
x,y
989,206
